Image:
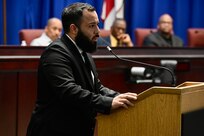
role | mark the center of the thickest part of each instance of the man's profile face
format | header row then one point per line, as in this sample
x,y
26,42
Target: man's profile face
x,y
54,29
88,32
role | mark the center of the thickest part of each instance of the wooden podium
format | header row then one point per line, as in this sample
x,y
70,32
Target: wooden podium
x,y
157,112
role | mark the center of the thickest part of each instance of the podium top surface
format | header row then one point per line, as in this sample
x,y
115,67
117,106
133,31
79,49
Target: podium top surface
x,y
191,94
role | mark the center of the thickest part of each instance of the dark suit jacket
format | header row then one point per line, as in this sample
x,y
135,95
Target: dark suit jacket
x,y
156,40
67,100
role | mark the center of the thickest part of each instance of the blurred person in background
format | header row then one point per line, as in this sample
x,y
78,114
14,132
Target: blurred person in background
x,y
164,37
52,31
118,36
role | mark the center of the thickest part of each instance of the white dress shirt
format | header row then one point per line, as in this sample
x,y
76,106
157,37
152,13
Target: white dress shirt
x,y
43,40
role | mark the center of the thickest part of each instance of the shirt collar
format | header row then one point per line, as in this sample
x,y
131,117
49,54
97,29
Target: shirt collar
x,y
47,38
80,51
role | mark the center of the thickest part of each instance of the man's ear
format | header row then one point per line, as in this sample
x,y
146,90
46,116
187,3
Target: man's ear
x,y
74,29
46,29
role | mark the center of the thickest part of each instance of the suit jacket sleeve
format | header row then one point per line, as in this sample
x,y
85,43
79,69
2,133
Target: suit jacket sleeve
x,y
148,41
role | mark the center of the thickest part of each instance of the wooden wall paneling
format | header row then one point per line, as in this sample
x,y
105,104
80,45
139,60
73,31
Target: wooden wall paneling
x,y
8,103
26,99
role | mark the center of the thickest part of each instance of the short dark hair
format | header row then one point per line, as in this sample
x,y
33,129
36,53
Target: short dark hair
x,y
72,14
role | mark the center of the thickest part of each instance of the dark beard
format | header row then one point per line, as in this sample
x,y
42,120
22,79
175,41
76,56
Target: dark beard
x,y
84,43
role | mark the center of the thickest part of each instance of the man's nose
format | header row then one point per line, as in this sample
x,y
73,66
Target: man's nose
x,y
58,32
121,31
97,31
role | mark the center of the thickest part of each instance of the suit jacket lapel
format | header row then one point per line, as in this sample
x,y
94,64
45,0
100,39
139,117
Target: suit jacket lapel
x,y
88,69
174,41
78,58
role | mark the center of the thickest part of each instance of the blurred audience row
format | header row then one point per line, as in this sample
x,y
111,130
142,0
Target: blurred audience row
x,y
162,36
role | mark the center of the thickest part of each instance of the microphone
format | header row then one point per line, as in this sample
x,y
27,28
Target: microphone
x,y
138,62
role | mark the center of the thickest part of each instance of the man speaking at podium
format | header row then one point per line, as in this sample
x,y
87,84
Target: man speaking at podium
x,y
69,92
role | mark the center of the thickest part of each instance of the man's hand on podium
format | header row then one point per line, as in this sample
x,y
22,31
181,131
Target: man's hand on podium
x,y
124,100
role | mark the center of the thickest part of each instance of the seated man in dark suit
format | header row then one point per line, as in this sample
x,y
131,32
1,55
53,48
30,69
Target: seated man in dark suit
x,y
118,37
164,37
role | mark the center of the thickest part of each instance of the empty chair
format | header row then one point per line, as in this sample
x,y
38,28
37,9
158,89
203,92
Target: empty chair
x,y
141,33
29,34
195,37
